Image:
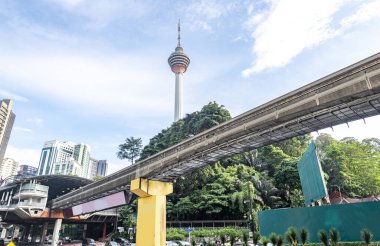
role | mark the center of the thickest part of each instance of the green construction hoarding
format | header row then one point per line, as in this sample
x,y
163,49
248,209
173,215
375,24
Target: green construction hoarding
x,y
349,219
310,171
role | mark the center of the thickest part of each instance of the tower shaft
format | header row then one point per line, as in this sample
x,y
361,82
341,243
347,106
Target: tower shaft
x,y
178,106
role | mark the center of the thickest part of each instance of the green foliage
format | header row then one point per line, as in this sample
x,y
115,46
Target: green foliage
x,y
273,238
334,235
345,162
130,149
366,236
323,237
291,236
279,241
264,241
211,115
175,234
245,237
304,234
255,238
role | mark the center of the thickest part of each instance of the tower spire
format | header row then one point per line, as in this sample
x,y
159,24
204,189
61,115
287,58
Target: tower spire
x,y
178,62
179,33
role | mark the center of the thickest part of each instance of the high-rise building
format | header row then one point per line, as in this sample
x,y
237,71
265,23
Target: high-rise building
x,y
101,169
65,157
98,168
55,152
8,168
82,156
7,118
178,62
27,171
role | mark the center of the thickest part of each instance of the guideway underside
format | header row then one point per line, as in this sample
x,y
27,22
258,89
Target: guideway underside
x,y
349,94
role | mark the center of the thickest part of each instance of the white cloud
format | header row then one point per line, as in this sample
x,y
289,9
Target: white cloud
x,y
289,27
95,83
358,129
36,121
9,95
365,12
202,13
24,155
101,13
22,129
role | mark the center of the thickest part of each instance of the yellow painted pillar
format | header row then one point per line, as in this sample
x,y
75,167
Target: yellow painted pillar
x,y
151,211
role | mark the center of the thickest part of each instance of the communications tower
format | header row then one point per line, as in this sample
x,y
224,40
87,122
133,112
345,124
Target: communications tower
x,y
178,62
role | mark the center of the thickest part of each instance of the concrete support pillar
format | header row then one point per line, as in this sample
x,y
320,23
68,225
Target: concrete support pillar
x,y
25,233
57,227
151,213
104,234
44,231
4,233
84,231
16,231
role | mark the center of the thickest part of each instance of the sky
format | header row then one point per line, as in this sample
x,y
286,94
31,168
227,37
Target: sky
x,y
96,72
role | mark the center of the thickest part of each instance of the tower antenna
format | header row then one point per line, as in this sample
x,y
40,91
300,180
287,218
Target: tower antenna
x,y
179,33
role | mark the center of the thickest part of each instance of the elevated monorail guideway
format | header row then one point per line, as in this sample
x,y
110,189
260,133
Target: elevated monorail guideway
x,y
349,94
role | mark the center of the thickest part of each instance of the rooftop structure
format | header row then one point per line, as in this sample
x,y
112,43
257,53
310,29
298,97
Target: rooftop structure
x,y
178,62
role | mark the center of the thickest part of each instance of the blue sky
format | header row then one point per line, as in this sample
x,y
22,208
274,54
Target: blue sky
x,y
95,71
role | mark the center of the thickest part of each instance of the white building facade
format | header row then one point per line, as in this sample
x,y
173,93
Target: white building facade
x,y
66,158
9,167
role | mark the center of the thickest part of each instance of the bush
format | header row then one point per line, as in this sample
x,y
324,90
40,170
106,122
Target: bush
x,y
255,238
323,237
279,241
273,238
366,236
334,235
304,234
175,234
264,241
291,236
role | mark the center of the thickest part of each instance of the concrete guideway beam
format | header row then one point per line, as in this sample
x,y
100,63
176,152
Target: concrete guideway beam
x,y
151,211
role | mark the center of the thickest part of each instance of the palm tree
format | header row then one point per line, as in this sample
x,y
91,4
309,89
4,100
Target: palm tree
x,y
273,238
291,236
366,236
304,234
323,237
334,235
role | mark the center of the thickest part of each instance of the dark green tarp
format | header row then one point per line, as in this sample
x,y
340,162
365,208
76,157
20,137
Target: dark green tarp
x,y
349,219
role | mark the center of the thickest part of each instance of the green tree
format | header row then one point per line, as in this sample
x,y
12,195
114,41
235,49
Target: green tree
x,y
131,149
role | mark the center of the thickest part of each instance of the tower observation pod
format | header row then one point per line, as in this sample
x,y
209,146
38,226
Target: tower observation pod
x,y
178,62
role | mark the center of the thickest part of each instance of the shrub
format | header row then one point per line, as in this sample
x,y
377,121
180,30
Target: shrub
x,y
279,241
245,237
334,235
323,237
304,234
255,238
273,238
264,241
291,236
366,236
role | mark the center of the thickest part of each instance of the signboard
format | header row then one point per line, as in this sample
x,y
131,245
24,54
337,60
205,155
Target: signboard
x,y
189,229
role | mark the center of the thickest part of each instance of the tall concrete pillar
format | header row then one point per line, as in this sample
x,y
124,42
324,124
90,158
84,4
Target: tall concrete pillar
x,y
44,232
151,213
104,234
16,231
57,227
25,233
4,233
84,231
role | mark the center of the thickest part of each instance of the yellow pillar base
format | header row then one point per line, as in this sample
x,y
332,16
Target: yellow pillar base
x,y
151,213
